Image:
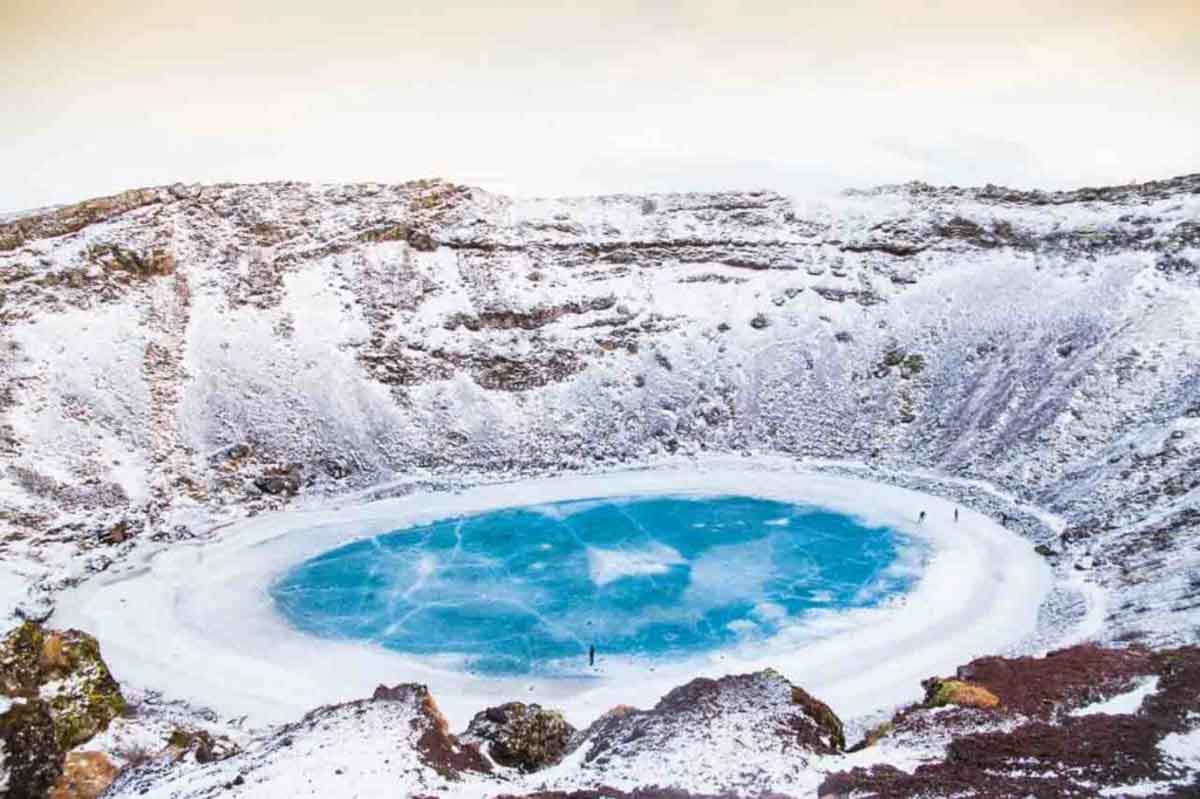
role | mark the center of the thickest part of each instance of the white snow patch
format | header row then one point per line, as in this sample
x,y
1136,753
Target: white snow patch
x,y
607,565
1121,704
769,611
12,590
1183,747
16,580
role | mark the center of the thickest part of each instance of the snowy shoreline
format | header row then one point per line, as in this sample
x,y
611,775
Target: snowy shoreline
x,y
195,621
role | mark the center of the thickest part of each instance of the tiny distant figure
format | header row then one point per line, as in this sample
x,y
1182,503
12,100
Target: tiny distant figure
x,y
956,515
592,655
1004,519
921,517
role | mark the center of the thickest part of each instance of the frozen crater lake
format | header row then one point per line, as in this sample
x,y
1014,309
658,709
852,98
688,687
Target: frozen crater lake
x,y
532,589
496,592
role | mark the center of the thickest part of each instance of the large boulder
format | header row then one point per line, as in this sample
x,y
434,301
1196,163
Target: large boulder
x,y
436,748
30,757
64,669
767,728
521,736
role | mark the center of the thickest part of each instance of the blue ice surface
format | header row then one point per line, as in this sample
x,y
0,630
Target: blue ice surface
x,y
529,590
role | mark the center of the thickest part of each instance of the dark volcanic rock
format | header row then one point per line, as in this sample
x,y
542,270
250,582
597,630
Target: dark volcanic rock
x,y
278,484
30,758
526,737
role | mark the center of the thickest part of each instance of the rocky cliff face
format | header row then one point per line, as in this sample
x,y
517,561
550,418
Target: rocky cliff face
x,y
174,357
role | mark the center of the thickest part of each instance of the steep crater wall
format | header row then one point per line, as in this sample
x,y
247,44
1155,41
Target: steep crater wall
x,y
172,358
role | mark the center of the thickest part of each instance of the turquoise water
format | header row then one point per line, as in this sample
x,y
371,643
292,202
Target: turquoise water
x,y
531,589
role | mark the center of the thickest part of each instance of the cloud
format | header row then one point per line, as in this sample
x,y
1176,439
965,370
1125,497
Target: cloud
x,y
552,99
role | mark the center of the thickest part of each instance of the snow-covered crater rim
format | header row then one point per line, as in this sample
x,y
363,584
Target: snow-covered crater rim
x,y
196,621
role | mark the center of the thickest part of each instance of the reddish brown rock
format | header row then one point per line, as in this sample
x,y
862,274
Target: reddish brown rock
x,y
1062,680
1054,754
439,750
86,775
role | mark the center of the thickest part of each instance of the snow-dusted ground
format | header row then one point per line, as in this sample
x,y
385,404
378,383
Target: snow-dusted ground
x,y
174,360
196,622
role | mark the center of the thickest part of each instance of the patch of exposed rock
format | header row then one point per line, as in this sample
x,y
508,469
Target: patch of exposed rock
x,y
201,745
521,736
86,775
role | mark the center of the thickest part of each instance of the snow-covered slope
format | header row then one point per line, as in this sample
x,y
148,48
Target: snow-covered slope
x,y
177,357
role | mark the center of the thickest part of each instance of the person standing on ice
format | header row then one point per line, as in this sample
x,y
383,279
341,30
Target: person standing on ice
x,y
921,517
956,515
592,655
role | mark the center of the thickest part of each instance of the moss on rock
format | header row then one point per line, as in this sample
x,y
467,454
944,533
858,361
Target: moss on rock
x,y
66,670
521,736
822,715
20,661
939,693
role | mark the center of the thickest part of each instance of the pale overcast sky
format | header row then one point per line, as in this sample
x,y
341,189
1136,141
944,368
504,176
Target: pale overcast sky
x,y
562,98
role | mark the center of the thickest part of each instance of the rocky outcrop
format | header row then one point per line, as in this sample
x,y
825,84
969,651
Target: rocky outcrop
x,y
72,218
438,749
395,742
65,670
521,736
774,726
31,759
1036,740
